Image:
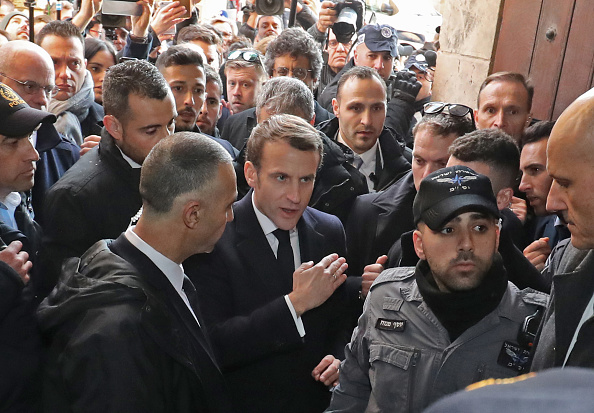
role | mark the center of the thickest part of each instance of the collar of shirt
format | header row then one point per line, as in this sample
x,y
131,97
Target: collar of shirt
x,y
268,227
132,163
173,271
11,201
8,206
369,158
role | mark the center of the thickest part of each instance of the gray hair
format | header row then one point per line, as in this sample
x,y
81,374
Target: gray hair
x,y
286,95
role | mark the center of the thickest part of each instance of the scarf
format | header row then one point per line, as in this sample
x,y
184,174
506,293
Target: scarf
x,y
458,311
73,111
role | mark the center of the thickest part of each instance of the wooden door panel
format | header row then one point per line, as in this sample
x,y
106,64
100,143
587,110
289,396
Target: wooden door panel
x,y
549,52
517,35
578,66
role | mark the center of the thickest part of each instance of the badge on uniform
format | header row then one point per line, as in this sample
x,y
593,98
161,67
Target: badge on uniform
x,y
514,357
386,32
390,325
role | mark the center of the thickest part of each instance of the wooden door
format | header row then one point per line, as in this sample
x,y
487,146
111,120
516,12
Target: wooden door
x,y
552,43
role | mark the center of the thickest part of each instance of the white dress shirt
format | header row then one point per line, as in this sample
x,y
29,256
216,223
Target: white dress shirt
x,y
269,227
173,271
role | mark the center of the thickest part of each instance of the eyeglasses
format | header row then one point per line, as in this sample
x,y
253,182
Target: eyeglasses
x,y
247,56
333,44
454,109
32,87
298,73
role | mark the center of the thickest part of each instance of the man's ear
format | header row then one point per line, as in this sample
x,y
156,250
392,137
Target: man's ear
x,y
192,214
312,122
504,197
335,107
418,243
251,173
113,126
475,114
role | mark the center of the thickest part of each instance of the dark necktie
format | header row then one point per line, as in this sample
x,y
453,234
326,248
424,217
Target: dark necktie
x,y
190,292
284,255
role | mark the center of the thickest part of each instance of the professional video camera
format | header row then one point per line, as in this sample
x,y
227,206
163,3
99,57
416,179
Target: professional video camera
x,y
350,19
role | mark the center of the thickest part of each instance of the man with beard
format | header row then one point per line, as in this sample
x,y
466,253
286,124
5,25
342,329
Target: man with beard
x,y
452,320
16,24
183,68
96,198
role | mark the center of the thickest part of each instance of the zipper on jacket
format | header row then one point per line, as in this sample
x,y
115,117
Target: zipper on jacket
x,y
412,378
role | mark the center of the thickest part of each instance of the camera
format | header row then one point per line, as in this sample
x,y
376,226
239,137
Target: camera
x,y
270,7
350,19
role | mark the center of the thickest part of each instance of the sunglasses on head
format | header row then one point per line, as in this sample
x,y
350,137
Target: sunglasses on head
x,y
247,56
454,109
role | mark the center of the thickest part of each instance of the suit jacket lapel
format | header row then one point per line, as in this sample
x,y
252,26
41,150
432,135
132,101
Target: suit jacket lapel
x,y
151,274
254,249
311,242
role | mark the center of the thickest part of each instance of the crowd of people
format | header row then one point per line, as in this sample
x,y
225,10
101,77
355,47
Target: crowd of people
x,y
198,214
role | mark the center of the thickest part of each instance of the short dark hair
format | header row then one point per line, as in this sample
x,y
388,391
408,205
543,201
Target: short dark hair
x,y
94,46
198,32
537,132
359,72
60,28
444,124
295,42
493,147
181,163
137,77
508,77
286,95
179,56
213,76
287,128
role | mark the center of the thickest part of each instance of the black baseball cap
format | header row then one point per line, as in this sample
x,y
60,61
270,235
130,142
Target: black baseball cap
x,y
379,38
16,117
448,192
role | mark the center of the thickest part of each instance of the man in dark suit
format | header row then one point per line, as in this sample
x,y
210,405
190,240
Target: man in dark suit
x,y
278,320
124,326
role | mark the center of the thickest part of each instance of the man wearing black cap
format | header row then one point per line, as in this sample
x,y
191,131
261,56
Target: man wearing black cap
x,y
18,159
376,47
19,240
454,319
